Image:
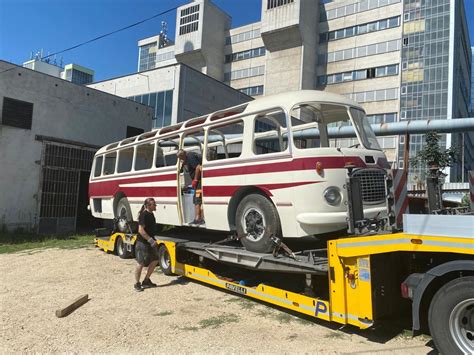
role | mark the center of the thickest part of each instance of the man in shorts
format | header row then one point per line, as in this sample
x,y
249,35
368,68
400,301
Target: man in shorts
x,y
192,161
146,249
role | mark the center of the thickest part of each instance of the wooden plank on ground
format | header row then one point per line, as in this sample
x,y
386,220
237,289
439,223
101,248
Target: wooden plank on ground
x,y
63,312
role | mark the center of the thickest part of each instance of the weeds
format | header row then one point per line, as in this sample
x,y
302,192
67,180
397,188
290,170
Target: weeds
x,y
216,322
12,242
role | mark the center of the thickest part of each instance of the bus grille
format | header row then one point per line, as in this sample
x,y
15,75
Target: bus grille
x,y
372,183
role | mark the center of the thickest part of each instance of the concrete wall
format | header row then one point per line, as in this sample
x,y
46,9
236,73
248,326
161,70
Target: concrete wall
x,y
200,94
61,110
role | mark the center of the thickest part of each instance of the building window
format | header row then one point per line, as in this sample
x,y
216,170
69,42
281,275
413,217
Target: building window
x,y
271,4
162,103
251,53
368,73
189,21
361,6
360,29
375,95
147,56
244,73
253,90
244,36
17,113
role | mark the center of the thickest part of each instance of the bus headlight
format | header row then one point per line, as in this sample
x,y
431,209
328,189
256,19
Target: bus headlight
x,y
332,195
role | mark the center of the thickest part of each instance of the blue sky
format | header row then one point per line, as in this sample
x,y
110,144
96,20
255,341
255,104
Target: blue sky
x,y
28,25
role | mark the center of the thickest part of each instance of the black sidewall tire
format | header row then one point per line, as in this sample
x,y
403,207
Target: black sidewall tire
x,y
123,203
272,223
440,310
162,254
121,249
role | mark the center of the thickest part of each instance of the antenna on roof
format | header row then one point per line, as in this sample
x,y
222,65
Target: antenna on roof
x,y
164,41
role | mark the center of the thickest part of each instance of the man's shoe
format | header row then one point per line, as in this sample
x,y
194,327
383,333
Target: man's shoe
x,y
138,287
194,223
148,284
201,222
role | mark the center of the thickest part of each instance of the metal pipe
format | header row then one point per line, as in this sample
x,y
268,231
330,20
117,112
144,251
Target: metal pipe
x,y
409,127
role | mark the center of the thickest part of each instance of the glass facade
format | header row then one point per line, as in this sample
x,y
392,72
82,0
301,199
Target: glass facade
x,y
471,106
425,67
78,77
148,56
162,102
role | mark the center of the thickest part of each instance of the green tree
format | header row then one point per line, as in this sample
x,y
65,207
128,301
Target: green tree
x,y
432,158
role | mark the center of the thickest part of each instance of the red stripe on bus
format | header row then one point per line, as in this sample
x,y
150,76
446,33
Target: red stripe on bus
x,y
110,187
293,165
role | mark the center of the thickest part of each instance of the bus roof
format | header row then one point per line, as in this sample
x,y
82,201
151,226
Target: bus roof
x,y
286,100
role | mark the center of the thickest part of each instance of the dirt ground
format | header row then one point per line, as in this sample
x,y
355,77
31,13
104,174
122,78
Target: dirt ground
x,y
180,316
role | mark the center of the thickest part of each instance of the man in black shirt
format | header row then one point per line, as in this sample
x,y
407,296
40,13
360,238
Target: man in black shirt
x,y
192,161
146,249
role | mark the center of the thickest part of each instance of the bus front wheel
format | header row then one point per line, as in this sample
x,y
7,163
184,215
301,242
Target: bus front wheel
x,y
124,212
257,219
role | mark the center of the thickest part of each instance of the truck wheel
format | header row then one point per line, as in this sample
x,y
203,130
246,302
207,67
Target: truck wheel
x,y
164,260
121,249
124,212
257,218
451,317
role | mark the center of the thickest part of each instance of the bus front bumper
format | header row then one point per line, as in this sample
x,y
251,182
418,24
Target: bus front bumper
x,y
336,218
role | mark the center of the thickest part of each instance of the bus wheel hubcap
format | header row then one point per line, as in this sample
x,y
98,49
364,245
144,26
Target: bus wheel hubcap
x,y
254,224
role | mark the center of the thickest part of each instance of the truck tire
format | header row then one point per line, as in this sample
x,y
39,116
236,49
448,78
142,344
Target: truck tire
x,y
123,211
164,260
257,218
451,317
121,249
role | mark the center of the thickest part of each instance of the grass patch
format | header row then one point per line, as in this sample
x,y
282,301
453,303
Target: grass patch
x,y
242,302
15,242
334,335
216,322
164,313
190,329
284,318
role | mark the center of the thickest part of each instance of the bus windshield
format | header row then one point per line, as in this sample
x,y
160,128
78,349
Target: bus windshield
x,y
315,125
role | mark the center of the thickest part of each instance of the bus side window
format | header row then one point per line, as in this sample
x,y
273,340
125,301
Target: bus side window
x,y
306,123
125,160
169,147
160,159
109,163
144,156
225,141
98,166
270,133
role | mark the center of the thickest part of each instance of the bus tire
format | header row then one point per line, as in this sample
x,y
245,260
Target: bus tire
x,y
164,260
451,317
257,218
121,249
123,210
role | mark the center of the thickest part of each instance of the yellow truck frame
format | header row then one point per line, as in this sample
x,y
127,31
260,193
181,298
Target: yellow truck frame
x,y
366,276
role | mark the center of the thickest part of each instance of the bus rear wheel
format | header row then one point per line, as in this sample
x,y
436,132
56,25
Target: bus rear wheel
x,y
124,213
257,219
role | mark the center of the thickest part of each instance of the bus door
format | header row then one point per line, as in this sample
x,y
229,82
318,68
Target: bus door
x,y
167,197
192,142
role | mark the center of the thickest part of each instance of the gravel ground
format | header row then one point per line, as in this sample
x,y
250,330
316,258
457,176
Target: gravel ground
x,y
180,316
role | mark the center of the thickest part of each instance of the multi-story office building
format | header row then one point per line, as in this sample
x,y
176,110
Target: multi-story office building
x,y
74,73
401,59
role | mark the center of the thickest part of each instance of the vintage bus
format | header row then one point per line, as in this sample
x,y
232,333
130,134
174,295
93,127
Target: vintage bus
x,y
270,168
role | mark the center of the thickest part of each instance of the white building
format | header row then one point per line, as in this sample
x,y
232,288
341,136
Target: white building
x,y
400,59
49,131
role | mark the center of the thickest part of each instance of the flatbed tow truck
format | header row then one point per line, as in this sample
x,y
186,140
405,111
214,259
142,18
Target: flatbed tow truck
x,y
355,280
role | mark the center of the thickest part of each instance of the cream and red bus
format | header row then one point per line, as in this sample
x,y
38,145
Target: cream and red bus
x,y
269,168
